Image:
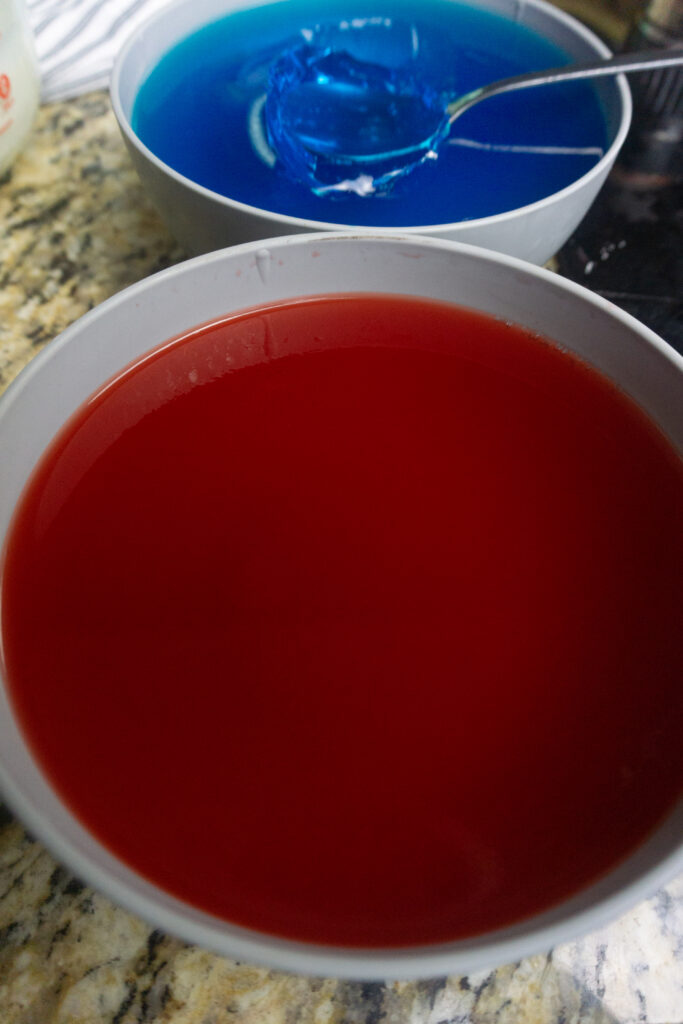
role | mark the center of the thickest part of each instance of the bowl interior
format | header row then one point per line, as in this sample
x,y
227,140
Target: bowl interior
x,y
98,346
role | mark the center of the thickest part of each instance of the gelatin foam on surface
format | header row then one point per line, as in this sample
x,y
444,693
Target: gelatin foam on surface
x,y
200,111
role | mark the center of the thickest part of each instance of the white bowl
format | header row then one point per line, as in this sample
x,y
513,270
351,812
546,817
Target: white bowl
x,y
203,220
99,345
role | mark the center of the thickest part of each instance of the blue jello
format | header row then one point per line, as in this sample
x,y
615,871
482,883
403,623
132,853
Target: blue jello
x,y
201,111
340,122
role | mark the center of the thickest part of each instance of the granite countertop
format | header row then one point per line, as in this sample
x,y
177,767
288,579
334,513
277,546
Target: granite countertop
x,y
76,227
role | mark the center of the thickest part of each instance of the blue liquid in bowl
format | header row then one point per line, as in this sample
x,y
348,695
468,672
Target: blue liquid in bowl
x,y
200,110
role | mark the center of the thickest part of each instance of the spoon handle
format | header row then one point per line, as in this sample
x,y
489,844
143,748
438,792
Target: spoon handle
x,y
592,69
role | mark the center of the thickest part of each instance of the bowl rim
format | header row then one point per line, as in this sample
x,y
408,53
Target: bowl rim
x,y
602,902
285,221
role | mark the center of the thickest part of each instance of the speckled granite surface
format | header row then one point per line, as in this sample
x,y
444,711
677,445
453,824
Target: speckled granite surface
x,y
76,228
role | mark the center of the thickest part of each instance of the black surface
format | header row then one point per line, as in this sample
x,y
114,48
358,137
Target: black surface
x,y
629,249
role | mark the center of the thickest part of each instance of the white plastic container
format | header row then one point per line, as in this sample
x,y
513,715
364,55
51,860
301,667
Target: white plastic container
x,y
203,220
19,80
104,341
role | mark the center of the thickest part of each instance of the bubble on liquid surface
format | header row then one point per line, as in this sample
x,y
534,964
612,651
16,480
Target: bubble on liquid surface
x,y
351,108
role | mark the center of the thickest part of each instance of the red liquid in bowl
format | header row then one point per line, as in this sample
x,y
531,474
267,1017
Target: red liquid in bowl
x,y
355,621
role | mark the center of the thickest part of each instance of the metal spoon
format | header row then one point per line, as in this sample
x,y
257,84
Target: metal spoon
x,y
316,131
625,62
